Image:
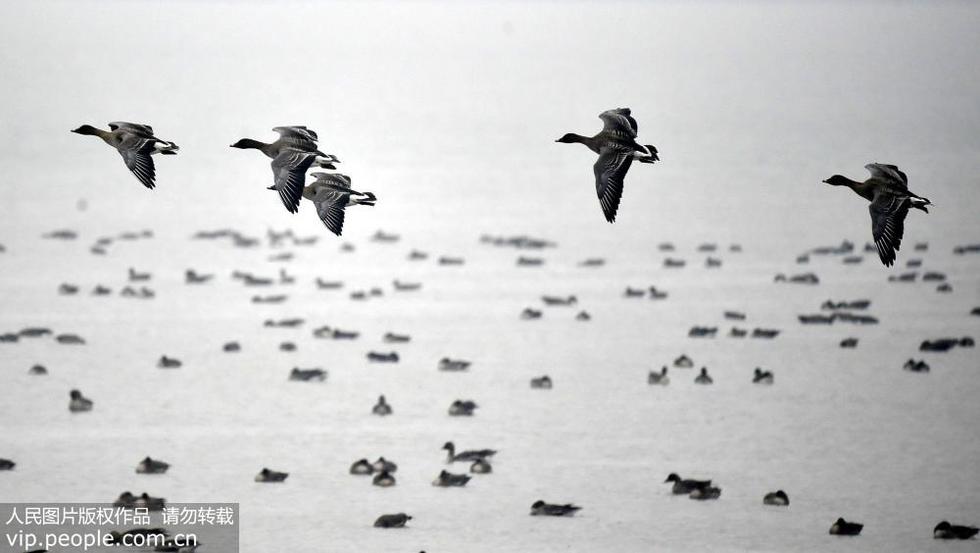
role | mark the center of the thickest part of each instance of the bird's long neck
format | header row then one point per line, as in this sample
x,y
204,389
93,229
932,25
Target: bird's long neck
x,y
249,143
589,141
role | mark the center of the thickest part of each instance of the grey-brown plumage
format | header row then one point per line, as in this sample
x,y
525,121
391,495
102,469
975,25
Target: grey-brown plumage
x,y
332,194
890,197
296,137
617,148
289,172
135,143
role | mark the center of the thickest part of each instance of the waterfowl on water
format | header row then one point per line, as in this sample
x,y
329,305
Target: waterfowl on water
x,y
617,148
7,464
135,143
79,403
683,362
447,479
307,375
542,382
332,194
682,486
890,198
144,500
361,467
762,377
385,465
540,508
381,408
704,377
168,363
266,475
152,466
462,408
946,531
660,378
844,528
383,479
470,455
396,520
481,466
777,497
38,370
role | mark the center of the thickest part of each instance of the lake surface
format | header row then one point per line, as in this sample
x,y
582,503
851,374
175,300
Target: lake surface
x,y
448,113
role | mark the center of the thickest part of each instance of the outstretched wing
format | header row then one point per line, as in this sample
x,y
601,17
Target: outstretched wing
x,y
889,173
136,128
135,151
619,122
888,213
610,169
330,207
298,136
289,171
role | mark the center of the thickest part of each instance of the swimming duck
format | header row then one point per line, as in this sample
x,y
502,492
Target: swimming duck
x,y
392,338
447,479
447,364
266,475
193,277
617,148
844,528
583,316
144,500
777,497
168,363
384,465
7,464
79,403
389,357
461,408
660,378
946,531
540,508
381,408
361,467
634,292
383,479
682,486
890,198
287,346
683,362
74,339
703,378
101,290
705,493
332,194
542,382
406,286
762,377
66,289
136,276
135,143
135,535
397,520
849,343
481,466
916,366
558,300
530,314
232,347
34,332
151,466
471,455
307,374
38,370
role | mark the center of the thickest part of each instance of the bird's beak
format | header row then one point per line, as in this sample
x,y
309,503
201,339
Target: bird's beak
x,y
825,181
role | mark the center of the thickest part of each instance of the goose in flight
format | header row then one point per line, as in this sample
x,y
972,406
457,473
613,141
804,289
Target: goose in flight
x,y
332,194
617,148
890,197
135,143
290,138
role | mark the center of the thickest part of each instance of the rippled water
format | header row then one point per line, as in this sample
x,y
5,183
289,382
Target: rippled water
x,y
448,113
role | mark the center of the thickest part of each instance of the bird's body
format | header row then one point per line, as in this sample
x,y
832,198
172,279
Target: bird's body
x,y
891,199
471,455
845,528
540,508
946,531
135,143
617,148
682,486
332,194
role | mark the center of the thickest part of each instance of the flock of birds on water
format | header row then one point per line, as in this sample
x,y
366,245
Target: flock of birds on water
x,y
295,152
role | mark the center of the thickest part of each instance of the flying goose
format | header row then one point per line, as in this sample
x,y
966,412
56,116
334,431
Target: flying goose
x,y
890,197
135,143
294,137
331,194
617,148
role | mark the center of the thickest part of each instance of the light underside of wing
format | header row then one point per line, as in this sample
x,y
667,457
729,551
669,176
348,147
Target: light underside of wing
x,y
141,165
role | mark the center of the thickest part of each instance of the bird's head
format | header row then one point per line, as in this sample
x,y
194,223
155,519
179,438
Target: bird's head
x,y
85,129
838,180
569,138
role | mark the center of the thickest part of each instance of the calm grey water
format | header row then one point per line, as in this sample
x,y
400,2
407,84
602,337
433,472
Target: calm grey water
x,y
448,113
